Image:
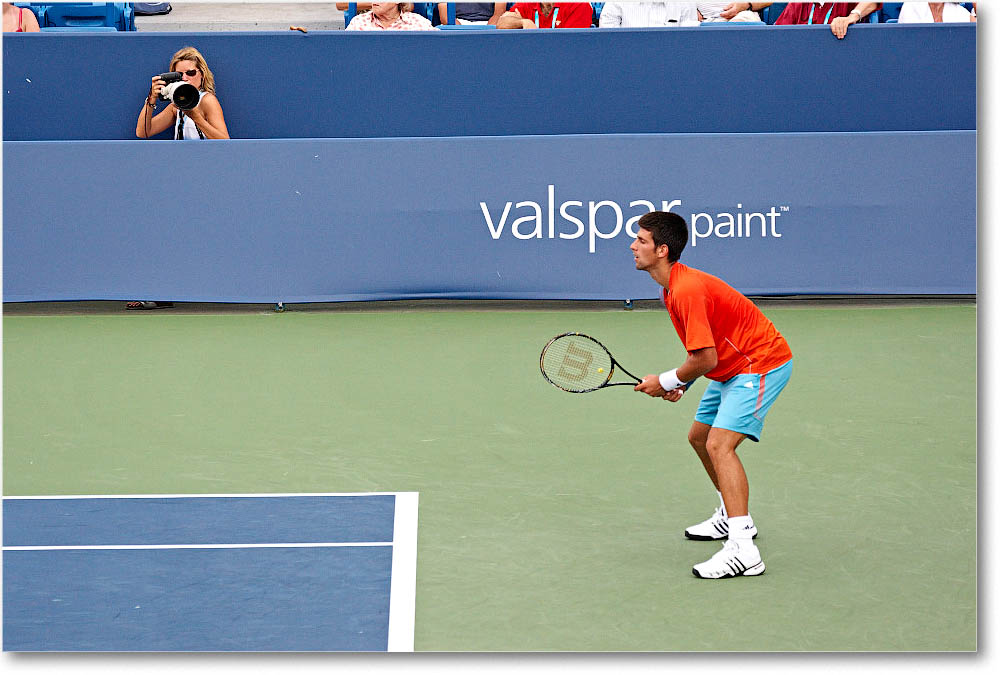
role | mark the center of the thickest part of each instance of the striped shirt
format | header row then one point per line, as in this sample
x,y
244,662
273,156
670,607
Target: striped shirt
x,y
643,14
406,21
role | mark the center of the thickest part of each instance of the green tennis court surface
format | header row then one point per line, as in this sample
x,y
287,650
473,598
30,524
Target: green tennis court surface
x,y
548,521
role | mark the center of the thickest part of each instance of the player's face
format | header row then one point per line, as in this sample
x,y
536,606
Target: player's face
x,y
644,250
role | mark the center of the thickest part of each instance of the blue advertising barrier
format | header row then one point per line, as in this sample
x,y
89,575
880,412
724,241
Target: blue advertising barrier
x,y
339,84
534,217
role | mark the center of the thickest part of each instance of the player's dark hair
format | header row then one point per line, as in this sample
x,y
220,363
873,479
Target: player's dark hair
x,y
667,228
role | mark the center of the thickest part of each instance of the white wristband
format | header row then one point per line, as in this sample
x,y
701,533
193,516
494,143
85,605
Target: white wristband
x,y
669,381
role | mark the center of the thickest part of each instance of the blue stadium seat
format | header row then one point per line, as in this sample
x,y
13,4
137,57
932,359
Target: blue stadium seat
x,y
425,9
771,13
117,15
126,15
889,12
596,20
79,29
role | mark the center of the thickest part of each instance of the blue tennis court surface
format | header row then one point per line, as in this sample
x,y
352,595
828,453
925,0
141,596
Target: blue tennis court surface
x,y
209,573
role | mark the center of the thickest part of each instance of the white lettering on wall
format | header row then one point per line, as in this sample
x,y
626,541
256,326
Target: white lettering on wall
x,y
533,220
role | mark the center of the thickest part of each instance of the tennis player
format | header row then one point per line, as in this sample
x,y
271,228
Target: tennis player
x,y
731,343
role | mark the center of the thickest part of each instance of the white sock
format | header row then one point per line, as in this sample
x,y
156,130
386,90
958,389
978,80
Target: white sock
x,y
722,503
740,529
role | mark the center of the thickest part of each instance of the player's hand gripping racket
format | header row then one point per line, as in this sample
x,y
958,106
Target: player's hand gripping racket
x,y
578,363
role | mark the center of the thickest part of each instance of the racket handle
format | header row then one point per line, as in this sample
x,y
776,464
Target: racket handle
x,y
688,385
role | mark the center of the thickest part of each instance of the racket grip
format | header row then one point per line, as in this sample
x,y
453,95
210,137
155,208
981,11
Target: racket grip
x,y
688,385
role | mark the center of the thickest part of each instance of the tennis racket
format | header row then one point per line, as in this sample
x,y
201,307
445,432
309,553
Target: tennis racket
x,y
578,363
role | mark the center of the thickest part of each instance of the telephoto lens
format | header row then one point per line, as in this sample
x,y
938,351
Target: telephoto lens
x,y
182,94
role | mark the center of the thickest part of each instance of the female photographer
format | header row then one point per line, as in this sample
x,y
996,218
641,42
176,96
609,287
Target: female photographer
x,y
205,120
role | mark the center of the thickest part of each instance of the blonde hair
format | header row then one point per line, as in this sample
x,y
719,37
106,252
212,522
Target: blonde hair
x,y
192,54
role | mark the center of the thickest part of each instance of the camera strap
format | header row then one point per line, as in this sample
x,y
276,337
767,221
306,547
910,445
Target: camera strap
x,y
179,127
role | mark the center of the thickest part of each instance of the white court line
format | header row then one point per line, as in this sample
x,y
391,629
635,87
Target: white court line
x,y
403,587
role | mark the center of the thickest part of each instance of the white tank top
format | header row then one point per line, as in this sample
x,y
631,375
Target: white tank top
x,y
190,129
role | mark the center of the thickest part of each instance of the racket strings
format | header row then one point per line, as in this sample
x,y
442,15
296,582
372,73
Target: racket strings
x,y
576,363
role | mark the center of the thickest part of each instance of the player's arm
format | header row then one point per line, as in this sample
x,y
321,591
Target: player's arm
x,y
698,363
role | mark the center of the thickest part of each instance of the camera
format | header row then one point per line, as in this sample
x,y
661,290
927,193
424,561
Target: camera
x,y
182,94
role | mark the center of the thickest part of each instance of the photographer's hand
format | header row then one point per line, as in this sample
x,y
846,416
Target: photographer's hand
x,y
154,90
150,122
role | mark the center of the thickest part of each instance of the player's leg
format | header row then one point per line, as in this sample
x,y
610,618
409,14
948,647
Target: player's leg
x,y
746,400
698,438
730,476
715,526
739,556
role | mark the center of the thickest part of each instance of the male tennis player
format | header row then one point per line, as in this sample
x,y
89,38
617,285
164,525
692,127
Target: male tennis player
x,y
732,343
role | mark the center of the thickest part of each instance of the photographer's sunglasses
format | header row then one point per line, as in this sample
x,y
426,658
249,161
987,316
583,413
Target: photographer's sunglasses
x,y
189,73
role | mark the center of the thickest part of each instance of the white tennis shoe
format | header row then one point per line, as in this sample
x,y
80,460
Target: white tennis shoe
x,y
732,561
713,529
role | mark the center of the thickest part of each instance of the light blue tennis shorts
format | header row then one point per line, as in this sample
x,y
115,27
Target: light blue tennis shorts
x,y
741,402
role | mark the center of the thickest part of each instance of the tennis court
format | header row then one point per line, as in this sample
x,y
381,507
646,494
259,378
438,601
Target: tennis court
x,y
547,521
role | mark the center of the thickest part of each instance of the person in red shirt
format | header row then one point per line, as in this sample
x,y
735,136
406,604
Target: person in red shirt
x,y
839,15
563,14
730,342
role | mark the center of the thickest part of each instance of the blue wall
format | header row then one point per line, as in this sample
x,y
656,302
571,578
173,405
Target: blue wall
x,y
303,220
337,84
868,188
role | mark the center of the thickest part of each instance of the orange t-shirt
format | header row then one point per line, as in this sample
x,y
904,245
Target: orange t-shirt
x,y
708,312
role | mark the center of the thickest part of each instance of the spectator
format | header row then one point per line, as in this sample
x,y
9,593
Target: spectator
x,y
513,20
19,20
390,16
556,14
839,15
642,14
934,12
730,11
473,12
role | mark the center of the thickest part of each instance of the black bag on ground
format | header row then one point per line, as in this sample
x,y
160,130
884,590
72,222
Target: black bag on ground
x,y
151,8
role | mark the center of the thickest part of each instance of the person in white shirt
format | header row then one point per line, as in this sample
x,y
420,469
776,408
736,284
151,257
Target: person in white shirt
x,y
647,14
934,12
726,11
390,16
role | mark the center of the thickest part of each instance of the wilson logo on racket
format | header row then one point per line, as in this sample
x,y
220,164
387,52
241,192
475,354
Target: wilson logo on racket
x,y
578,363
575,363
